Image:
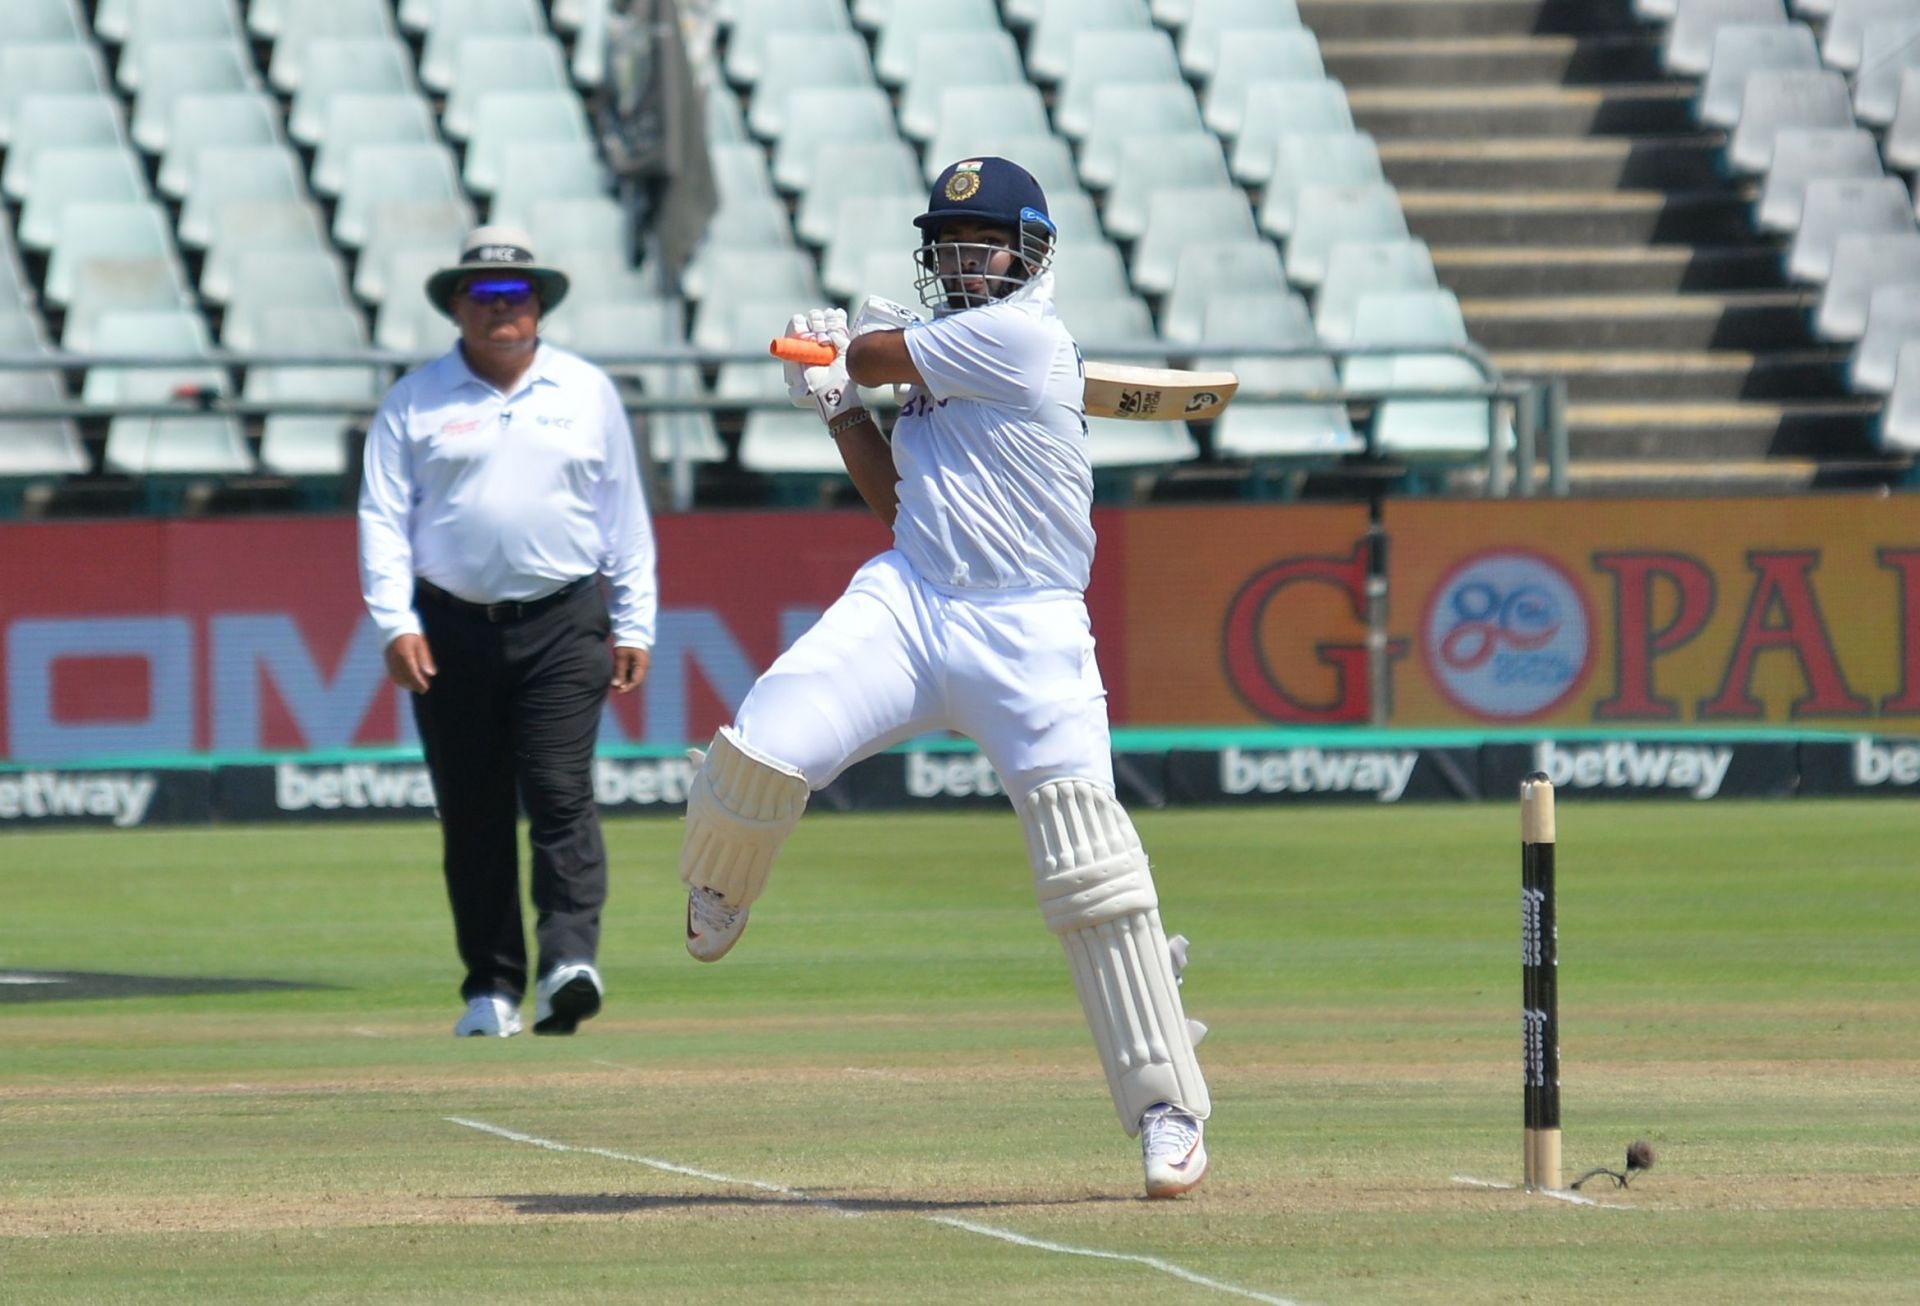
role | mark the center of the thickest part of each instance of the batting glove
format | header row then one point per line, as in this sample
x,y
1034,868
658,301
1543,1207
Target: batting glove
x,y
827,387
877,314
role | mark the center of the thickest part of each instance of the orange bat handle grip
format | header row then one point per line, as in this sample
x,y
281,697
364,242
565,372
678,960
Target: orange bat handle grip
x,y
807,353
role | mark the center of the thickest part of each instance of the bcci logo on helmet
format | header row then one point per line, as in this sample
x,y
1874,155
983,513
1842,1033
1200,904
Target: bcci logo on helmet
x,y
1507,635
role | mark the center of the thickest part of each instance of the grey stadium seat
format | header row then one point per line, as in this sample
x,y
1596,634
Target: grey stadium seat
x,y
1900,423
1253,57
32,68
109,285
70,174
191,444
1742,49
356,118
250,226
1329,215
990,58
1261,429
1893,319
1363,267
158,23
1051,53
42,20
304,24
335,67
896,53
1314,159
1874,205
1122,110
1842,45
1154,162
1220,267
136,229
378,174
1215,24
455,20
302,444
1862,262
798,64
1775,99
1276,109
505,118
1804,154
186,68
1688,48
485,64
397,226
43,120
756,21
1178,217
1102,57
1887,48
221,118
226,174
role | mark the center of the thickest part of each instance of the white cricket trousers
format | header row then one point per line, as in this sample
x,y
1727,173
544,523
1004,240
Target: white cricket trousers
x,y
893,658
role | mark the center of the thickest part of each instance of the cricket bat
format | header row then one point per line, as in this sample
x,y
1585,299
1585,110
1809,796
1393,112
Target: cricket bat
x,y
1134,394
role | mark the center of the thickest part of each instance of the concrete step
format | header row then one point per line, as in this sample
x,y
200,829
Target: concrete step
x,y
1682,163
1743,320
1581,217
1818,429
1721,376
1480,61
1510,271
1465,112
1352,19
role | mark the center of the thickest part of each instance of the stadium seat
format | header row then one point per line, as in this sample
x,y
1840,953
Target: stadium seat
x,y
842,115
1051,52
1090,268
787,442
1073,212
1861,263
1103,322
266,279
1742,49
224,174
866,225
222,118
186,68
191,444
1833,208
337,20
252,226
1180,216
601,277
1154,162
991,59
877,170
1213,25
42,121
782,274
64,175
798,64
42,21
88,230
1773,99
1284,55
749,325
1112,443
1887,48
1257,429
487,64
753,31
602,331
161,22
1901,143
1419,430
379,174
1328,215
504,118
1893,319
455,21
741,224
590,42
34,68
310,444
1314,159
415,16
356,118
1216,268
1122,110
32,448
581,222
372,66
1687,50
407,322
976,120
543,170
402,225
1104,57
896,52
1363,267
108,285
890,274
1842,44
1276,109
1900,421
1804,154
1655,10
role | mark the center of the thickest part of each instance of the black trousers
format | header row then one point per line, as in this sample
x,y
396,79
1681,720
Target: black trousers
x,y
515,708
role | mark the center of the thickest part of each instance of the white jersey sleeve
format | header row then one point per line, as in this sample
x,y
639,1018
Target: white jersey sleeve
x,y
1000,355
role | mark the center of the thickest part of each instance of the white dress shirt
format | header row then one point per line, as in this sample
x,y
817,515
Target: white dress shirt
x,y
996,489
502,497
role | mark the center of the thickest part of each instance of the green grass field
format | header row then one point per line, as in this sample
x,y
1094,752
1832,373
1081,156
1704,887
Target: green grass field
x,y
886,1094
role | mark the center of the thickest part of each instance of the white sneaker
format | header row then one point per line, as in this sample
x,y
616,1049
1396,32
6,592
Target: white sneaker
x,y
1171,1147
488,1016
565,996
712,926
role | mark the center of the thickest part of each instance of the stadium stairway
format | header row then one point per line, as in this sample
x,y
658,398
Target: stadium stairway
x,y
1577,208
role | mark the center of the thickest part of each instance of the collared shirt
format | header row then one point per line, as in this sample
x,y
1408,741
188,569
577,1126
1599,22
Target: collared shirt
x,y
501,497
996,488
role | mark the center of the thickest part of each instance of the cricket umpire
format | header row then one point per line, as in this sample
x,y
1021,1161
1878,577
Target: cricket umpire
x,y
500,485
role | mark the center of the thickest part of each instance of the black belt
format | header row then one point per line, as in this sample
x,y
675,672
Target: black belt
x,y
516,610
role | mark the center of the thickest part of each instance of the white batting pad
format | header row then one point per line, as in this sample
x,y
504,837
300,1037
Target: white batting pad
x,y
741,807
1097,894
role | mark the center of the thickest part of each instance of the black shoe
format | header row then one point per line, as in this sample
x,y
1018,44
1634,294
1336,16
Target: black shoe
x,y
565,996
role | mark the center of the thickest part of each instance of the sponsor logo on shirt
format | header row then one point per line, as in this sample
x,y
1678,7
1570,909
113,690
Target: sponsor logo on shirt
x,y
461,428
563,423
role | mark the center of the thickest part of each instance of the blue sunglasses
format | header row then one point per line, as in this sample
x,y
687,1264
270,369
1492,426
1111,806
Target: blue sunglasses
x,y
513,292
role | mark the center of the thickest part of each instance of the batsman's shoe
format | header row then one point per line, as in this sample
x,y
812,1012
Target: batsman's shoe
x,y
712,926
1171,1147
488,1016
565,996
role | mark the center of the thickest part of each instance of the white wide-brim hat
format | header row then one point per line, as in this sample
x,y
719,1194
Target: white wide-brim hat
x,y
504,250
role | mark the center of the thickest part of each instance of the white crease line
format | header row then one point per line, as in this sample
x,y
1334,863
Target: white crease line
x,y
984,1230
1556,1194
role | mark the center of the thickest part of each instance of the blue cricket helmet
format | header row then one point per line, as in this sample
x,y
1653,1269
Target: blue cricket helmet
x,y
993,190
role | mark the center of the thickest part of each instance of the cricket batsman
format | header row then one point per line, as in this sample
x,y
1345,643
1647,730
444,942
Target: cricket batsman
x,y
975,621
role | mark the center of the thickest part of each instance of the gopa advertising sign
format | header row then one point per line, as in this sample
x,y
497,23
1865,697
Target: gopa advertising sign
x,y
1577,614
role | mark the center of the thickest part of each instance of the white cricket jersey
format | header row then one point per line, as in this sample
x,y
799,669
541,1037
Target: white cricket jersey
x,y
500,497
995,487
